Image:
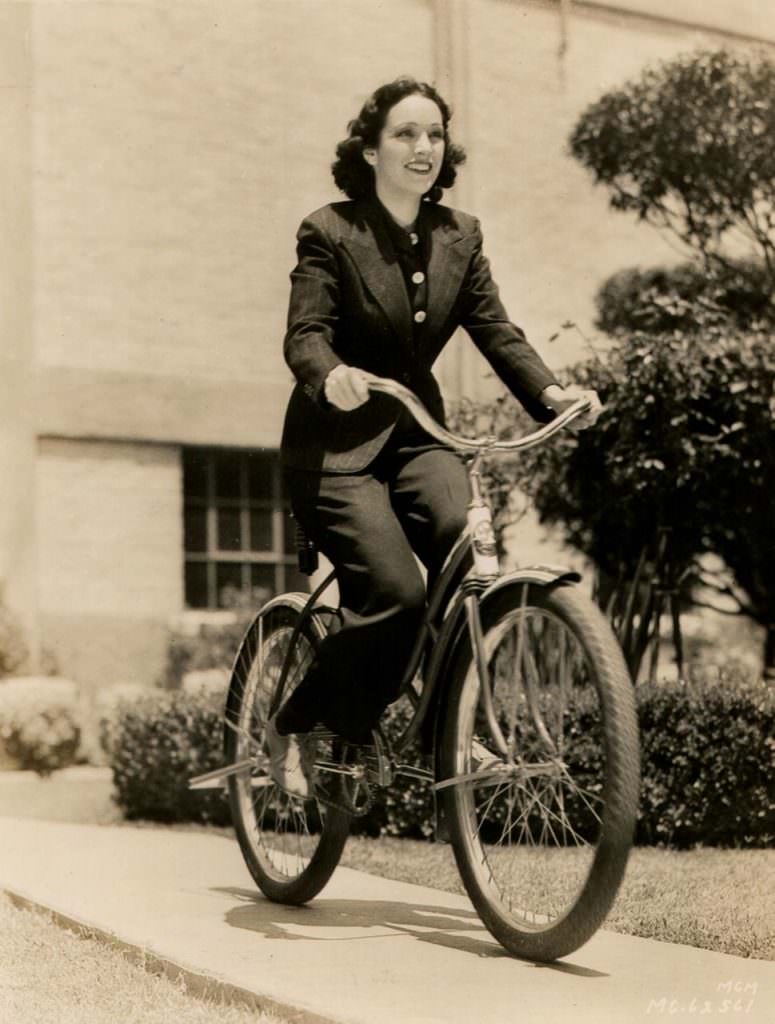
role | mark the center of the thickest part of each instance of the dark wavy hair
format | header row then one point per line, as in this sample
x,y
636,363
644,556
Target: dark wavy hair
x,y
354,176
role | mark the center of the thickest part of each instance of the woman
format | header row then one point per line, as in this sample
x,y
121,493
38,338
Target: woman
x,y
382,282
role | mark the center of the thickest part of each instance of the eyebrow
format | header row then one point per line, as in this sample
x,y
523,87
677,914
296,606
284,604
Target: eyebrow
x,y
416,124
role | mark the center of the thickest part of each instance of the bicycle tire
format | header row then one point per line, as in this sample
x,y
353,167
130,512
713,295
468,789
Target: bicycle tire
x,y
290,846
541,837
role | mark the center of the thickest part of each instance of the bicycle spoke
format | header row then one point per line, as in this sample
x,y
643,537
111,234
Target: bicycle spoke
x,y
280,831
534,829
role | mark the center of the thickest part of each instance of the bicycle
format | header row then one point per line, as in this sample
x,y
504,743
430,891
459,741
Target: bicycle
x,y
522,686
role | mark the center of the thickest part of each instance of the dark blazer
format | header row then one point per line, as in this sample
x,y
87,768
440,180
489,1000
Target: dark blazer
x,y
349,304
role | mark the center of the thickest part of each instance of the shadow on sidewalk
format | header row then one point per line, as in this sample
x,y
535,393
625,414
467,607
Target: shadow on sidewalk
x,y
438,925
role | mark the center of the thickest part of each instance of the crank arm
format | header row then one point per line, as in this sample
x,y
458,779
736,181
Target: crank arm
x,y
503,773
212,780
411,771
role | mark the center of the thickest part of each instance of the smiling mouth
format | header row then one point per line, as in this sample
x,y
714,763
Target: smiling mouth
x,y
419,168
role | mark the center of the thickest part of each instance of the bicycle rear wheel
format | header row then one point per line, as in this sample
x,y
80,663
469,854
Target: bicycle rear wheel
x,y
291,846
542,831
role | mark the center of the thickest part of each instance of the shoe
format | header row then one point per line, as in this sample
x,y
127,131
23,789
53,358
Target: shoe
x,y
290,761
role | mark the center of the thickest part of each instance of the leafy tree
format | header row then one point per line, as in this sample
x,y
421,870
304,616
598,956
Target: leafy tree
x,y
682,463
688,148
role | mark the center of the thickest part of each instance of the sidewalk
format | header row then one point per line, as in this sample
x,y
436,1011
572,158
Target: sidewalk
x,y
367,951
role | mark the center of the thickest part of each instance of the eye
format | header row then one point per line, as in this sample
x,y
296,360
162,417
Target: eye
x,y
437,135
404,133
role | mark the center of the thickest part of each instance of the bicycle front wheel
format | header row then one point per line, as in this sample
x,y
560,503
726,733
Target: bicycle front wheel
x,y
291,846
541,794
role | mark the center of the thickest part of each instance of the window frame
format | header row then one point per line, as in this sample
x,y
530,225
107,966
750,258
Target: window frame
x,y
283,562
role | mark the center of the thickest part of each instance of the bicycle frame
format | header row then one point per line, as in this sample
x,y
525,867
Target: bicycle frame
x,y
456,597
523,701
453,606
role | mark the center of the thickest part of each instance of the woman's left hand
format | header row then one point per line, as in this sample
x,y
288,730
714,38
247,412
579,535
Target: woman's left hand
x,y
559,399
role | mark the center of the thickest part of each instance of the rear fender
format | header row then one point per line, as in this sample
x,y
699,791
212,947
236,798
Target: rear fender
x,y
294,601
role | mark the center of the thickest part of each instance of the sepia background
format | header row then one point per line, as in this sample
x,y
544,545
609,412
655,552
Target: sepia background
x,y
158,157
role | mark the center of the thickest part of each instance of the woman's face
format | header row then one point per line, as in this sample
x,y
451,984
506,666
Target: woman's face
x,y
410,151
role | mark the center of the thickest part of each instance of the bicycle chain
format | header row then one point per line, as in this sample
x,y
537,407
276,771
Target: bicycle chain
x,y
366,759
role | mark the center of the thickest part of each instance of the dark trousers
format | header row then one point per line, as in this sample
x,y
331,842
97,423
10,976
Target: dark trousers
x,y
412,498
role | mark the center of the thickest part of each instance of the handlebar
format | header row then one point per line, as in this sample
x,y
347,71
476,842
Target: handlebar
x,y
469,444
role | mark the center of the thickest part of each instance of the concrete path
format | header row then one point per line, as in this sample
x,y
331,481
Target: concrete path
x,y
367,951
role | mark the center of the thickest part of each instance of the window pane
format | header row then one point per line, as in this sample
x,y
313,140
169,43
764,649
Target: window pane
x,y
229,529
261,468
261,529
195,474
196,585
195,528
227,474
262,581
228,581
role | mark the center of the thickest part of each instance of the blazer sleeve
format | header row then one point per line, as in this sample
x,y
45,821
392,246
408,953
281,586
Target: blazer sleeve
x,y
313,310
501,342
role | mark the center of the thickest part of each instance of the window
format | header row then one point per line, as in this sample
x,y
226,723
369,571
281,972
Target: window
x,y
238,536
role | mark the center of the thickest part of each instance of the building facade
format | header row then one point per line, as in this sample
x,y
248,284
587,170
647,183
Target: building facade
x,y
158,157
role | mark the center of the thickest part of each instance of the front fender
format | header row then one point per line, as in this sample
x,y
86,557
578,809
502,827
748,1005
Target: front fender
x,y
542,573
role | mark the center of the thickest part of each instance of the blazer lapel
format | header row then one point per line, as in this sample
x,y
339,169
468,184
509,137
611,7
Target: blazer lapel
x,y
447,263
372,252
370,247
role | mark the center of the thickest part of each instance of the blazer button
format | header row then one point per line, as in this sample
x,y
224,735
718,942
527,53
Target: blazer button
x,y
419,316
418,277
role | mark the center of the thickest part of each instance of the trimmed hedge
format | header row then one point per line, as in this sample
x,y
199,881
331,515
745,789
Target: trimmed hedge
x,y
708,765
158,743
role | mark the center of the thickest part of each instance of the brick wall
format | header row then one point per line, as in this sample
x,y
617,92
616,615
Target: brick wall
x,y
550,236
177,147
109,518
174,149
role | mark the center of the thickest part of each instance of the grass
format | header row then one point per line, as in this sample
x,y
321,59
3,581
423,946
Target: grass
x,y
722,900
49,975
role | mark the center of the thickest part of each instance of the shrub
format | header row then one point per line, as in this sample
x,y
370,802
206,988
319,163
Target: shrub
x,y
708,765
159,743
201,646
209,646
103,716
39,722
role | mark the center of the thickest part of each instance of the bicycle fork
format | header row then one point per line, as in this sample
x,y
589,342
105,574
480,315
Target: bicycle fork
x,y
476,635
524,676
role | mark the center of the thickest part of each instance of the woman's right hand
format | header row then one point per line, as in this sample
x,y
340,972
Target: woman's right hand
x,y
345,387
